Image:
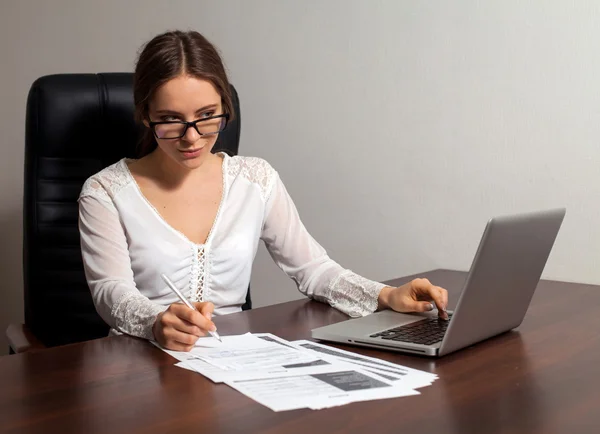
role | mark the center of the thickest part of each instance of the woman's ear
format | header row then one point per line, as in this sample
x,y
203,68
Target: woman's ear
x,y
145,115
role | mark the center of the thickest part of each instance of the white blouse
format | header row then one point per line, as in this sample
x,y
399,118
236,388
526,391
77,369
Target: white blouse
x,y
126,245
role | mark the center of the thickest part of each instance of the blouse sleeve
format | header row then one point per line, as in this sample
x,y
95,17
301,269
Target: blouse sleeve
x,y
108,270
295,251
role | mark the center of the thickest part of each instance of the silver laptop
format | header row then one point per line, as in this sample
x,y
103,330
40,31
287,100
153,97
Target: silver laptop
x,y
505,272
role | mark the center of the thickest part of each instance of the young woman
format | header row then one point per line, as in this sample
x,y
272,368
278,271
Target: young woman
x,y
198,217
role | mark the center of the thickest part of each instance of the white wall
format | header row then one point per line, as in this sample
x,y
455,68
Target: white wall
x,y
398,127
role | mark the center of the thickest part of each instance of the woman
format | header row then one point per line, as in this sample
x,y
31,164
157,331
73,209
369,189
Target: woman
x,y
198,217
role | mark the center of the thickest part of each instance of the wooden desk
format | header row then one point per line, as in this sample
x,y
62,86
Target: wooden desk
x,y
542,378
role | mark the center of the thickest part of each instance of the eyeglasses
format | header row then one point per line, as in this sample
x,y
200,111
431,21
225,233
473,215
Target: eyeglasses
x,y
177,129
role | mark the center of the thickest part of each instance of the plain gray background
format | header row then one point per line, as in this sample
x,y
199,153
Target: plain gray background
x,y
399,128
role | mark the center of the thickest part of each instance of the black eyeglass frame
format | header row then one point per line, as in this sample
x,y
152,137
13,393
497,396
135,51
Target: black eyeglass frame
x,y
153,125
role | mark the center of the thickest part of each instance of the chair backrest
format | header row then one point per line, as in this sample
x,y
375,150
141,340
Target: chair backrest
x,y
76,125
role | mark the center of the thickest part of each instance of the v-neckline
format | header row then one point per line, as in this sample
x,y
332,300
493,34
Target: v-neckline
x,y
162,219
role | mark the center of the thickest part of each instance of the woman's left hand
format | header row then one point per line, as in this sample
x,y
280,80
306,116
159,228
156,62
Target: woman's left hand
x,y
415,296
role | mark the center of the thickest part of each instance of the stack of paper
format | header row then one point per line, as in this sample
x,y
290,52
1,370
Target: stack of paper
x,y
286,375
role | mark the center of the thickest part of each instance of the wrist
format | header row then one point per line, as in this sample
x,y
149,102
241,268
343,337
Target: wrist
x,y
383,299
156,325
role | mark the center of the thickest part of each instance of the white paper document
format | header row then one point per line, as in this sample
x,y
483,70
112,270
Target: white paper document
x,y
249,352
250,356
390,371
238,342
286,375
317,391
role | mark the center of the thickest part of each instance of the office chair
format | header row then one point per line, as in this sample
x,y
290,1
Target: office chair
x,y
76,124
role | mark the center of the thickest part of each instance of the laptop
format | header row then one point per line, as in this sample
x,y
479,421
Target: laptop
x,y
499,287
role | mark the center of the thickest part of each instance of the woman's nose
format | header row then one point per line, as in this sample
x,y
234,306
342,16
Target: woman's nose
x,y
191,135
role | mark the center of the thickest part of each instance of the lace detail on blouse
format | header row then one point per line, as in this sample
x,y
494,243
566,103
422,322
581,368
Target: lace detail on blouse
x,y
353,294
198,274
105,184
135,315
255,170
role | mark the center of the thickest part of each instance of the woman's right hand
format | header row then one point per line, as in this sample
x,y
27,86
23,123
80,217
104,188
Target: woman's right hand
x,y
179,327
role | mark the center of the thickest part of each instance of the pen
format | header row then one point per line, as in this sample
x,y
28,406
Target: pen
x,y
186,302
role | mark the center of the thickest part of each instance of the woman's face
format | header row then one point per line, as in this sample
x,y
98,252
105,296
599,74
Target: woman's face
x,y
188,99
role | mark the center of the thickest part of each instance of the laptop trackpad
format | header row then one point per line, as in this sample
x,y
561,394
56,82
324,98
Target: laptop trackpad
x,y
373,323
387,319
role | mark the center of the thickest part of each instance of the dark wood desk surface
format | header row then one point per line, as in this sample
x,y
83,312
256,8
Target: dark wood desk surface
x,y
541,378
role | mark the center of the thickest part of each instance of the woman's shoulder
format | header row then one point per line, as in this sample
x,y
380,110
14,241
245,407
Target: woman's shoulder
x,y
107,183
254,169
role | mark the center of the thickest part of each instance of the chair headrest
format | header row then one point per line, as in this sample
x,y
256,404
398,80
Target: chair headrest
x,y
91,116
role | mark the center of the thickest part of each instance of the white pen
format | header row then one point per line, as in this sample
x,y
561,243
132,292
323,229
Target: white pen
x,y
186,302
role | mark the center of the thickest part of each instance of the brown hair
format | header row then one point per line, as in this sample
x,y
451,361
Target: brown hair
x,y
168,56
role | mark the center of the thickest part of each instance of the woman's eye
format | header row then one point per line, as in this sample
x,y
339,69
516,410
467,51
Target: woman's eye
x,y
169,118
207,114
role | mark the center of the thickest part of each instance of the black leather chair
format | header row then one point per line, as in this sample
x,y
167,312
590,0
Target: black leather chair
x,y
76,125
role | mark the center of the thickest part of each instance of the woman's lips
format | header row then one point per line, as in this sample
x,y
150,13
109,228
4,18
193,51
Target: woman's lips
x,y
191,153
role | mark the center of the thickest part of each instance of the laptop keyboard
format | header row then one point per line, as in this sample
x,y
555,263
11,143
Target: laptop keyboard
x,y
426,332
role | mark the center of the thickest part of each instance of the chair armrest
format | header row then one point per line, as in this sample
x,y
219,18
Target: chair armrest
x,y
20,339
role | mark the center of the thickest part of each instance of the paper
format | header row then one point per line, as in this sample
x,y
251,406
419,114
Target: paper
x,y
391,371
219,375
237,341
250,357
286,375
249,352
318,391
